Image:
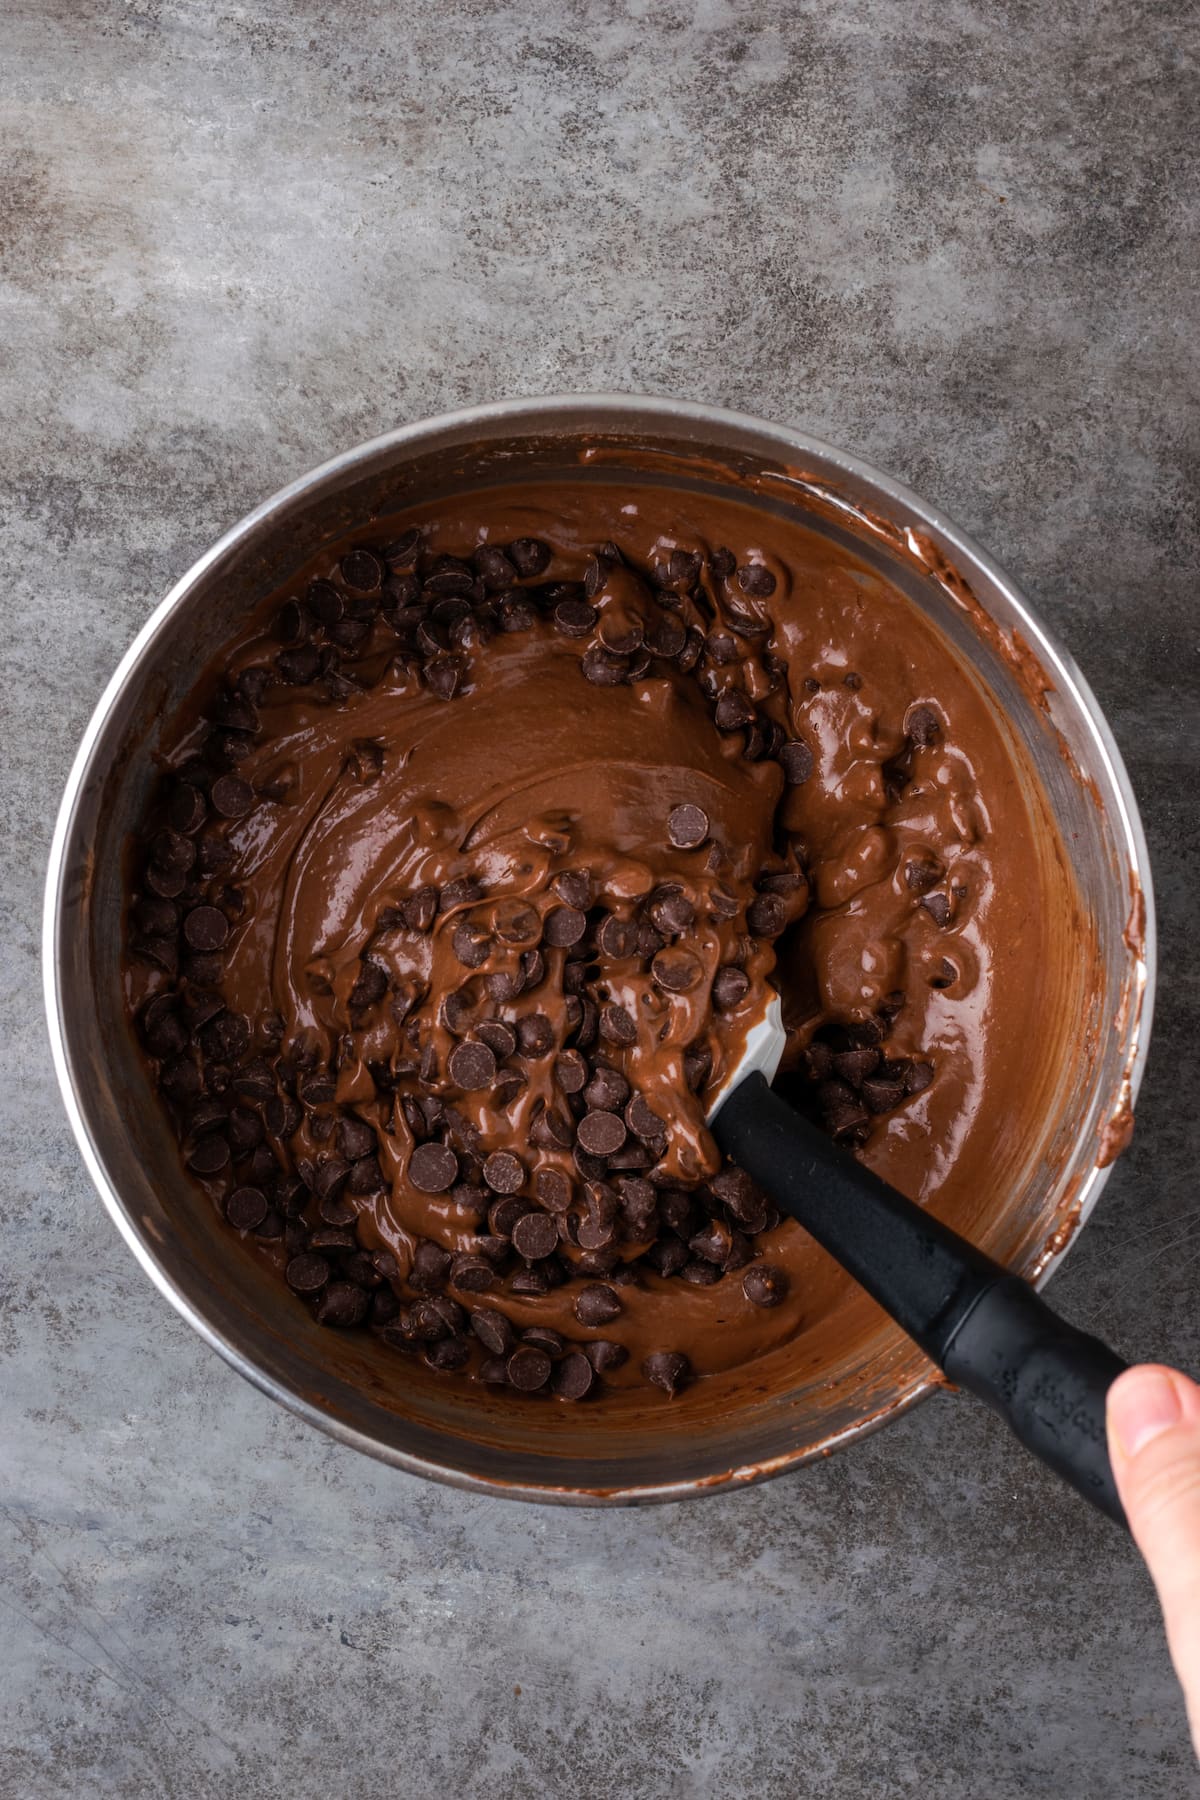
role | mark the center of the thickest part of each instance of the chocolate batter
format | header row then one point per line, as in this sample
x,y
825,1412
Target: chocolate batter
x,y
472,865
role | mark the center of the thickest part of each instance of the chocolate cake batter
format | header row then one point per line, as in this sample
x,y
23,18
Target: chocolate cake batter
x,y
476,858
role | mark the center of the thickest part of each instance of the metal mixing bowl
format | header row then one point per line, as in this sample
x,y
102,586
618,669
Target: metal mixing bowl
x,y
361,1393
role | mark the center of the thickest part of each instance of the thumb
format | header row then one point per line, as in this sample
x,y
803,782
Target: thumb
x,y
1154,1441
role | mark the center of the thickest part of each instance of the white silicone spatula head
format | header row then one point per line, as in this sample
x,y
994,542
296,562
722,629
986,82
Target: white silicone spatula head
x,y
763,1048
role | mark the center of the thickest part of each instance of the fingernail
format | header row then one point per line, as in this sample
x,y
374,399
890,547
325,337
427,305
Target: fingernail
x,y
1140,1406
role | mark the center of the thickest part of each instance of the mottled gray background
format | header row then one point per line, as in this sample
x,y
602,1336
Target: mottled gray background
x,y
237,235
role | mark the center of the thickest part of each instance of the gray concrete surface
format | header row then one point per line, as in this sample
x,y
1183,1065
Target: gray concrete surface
x,y
235,237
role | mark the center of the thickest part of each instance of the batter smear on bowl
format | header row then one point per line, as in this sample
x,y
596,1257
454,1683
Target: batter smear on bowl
x,y
472,863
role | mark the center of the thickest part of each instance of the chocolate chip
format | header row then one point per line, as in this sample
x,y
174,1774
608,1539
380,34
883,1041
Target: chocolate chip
x,y
616,938
575,618
433,1168
553,1189
698,1273
529,1368
616,1024
855,1065
607,1090
796,760
472,1274
922,725
232,797
342,1304
299,667
667,636
936,905
676,970
756,579
573,1377
209,1156
565,925
471,944
186,810
687,826
667,1369
730,987
603,669
570,1071
307,1274
529,556
601,1133
672,913
246,1208
535,1035
504,1172
533,970
918,1077
472,1065
206,928
430,1266
766,915
317,1089
596,1305
355,1139
493,1329
605,1355
765,1285
534,1236
444,676
361,569
371,986
500,1038
882,1092
712,1244
402,551
733,711
920,875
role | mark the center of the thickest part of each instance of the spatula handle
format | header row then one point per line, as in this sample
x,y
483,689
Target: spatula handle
x,y
986,1328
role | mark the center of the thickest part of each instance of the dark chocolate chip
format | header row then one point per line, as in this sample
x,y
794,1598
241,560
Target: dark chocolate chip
x,y
472,1065
493,1329
922,725
605,1355
472,1274
676,970
529,556
616,938
430,1266
616,1024
667,1369
756,579
564,926
246,1208
936,905
687,826
603,669
535,1035
232,797
570,1071
471,943
504,1172
499,1037
765,1285
206,928
308,1273
601,1133
362,570
186,810
796,760
575,618
370,988
573,1377
529,1368
596,1305
607,1090
733,711
730,987
299,667
210,1155
342,1304
766,915
535,1235
433,1168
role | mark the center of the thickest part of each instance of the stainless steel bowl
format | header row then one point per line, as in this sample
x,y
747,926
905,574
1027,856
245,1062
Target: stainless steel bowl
x,y
372,1399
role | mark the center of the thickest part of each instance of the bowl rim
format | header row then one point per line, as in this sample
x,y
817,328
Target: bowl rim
x,y
542,410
